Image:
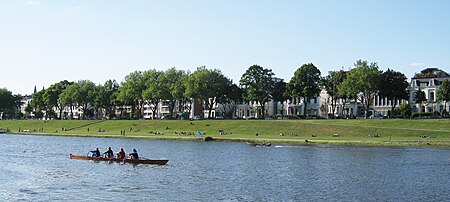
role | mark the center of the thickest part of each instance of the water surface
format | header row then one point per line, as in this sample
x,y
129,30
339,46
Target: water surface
x,y
37,168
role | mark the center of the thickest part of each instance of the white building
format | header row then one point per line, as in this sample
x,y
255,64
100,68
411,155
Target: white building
x,y
428,81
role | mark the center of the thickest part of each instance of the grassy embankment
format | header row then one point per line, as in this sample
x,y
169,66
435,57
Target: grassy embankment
x,y
435,132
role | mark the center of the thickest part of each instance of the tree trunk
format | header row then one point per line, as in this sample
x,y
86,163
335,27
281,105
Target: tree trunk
x,y
71,112
263,107
154,109
210,106
171,107
305,102
60,112
393,105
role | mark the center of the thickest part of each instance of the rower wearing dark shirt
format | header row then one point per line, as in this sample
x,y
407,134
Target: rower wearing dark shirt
x,y
109,153
95,153
134,154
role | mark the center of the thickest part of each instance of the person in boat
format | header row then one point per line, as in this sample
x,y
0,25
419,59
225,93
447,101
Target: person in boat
x,y
109,153
134,154
95,153
121,154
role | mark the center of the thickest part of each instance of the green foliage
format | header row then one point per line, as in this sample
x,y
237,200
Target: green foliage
x,y
52,96
331,83
207,85
362,82
305,83
131,91
443,93
258,84
280,91
422,114
68,97
404,110
173,81
155,89
393,86
419,98
105,96
38,102
9,103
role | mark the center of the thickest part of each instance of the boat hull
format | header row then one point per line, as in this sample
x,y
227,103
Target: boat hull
x,y
133,161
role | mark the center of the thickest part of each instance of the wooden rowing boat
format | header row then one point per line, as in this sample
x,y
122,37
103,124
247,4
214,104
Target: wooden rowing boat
x,y
134,161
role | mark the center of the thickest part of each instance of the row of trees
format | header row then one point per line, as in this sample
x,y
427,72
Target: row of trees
x,y
139,87
363,82
9,103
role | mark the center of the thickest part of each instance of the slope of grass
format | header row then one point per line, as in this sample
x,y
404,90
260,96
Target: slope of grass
x,y
367,132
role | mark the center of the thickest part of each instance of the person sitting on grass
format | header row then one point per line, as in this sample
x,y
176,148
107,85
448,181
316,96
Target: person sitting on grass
x,y
109,153
121,154
134,154
95,153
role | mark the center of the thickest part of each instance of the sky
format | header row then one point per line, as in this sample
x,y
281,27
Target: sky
x,y
43,42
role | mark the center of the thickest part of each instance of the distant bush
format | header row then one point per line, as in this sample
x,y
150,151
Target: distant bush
x,y
421,115
404,110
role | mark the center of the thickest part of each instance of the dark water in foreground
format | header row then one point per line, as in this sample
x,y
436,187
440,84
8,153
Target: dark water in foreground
x,y
37,168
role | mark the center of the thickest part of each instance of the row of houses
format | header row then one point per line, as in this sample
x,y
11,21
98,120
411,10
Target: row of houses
x,y
319,106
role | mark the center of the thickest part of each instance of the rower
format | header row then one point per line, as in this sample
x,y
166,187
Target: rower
x,y
134,154
121,154
109,153
95,153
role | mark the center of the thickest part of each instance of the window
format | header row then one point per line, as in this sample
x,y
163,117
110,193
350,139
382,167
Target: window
x,y
431,97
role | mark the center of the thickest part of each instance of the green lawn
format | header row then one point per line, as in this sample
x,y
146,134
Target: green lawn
x,y
389,132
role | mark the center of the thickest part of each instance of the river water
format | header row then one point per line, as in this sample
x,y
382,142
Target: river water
x,y
37,168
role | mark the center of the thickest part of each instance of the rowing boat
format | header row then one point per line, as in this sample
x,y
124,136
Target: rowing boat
x,y
133,161
260,144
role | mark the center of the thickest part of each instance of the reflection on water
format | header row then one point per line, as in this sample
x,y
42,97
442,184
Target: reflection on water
x,y
37,168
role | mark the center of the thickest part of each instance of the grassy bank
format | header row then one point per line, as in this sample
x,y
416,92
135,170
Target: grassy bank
x,y
435,132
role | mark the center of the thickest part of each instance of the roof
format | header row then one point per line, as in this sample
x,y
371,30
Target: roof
x,y
431,73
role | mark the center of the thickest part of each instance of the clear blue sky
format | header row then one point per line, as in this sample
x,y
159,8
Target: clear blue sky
x,y
43,42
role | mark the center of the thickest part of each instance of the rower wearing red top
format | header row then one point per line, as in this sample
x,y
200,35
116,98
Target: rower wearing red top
x,y
121,154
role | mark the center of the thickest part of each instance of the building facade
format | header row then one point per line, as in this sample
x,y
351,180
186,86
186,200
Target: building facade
x,y
428,81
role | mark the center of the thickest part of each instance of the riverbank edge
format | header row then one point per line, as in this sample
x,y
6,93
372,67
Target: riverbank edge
x,y
415,143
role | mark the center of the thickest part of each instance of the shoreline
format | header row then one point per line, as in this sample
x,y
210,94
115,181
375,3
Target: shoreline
x,y
395,143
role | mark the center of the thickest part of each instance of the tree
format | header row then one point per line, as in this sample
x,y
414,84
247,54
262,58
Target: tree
x,y
393,86
208,86
81,94
28,110
8,103
52,95
68,97
40,107
305,83
280,93
85,95
111,90
363,83
174,82
257,84
155,89
443,93
404,110
131,91
419,98
331,83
